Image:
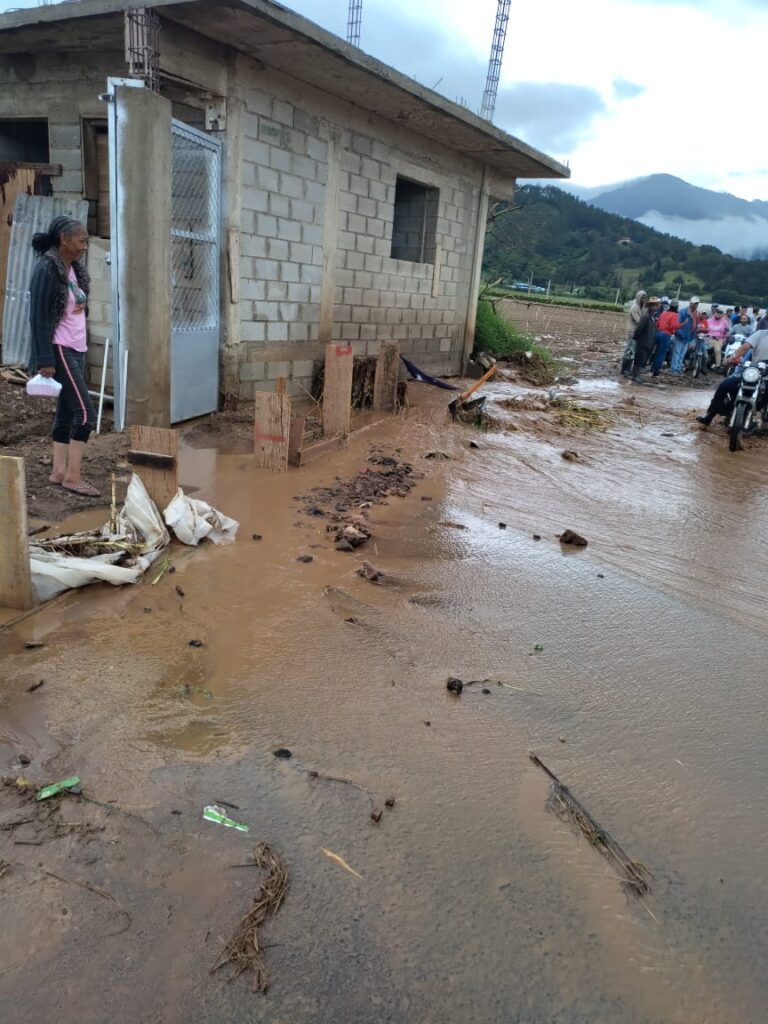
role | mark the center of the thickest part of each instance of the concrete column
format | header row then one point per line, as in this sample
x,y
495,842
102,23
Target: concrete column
x,y
330,231
477,266
144,239
231,216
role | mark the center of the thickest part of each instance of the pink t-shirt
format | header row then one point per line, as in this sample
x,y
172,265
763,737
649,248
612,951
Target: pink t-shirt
x,y
71,331
718,327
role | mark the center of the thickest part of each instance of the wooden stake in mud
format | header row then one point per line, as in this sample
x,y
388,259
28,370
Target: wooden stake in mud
x,y
272,426
15,575
385,381
154,457
296,440
337,389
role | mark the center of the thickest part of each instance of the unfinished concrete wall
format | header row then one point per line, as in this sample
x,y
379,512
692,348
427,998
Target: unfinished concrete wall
x,y
318,211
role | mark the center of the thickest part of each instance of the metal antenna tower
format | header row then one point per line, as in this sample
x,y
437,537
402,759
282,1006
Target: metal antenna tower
x,y
354,20
494,64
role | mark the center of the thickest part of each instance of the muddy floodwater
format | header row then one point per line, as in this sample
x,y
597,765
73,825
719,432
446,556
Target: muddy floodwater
x,y
634,667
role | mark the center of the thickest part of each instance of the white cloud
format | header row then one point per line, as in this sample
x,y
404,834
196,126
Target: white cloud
x,y
626,87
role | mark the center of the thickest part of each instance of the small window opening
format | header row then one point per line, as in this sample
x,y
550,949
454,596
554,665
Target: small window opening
x,y
23,141
96,176
414,226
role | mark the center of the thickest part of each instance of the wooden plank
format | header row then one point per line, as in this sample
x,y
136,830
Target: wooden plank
x,y
436,270
161,482
233,264
337,389
49,170
271,429
385,381
296,440
315,451
15,575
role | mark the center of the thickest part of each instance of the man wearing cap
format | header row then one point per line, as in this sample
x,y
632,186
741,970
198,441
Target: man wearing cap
x,y
685,334
645,338
722,400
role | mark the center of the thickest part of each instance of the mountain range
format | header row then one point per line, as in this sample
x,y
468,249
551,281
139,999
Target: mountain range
x,y
675,207
550,237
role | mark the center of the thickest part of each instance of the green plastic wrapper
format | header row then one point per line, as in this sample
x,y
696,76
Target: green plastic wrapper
x,y
219,817
57,787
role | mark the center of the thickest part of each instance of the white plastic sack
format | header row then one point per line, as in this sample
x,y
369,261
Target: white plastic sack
x,y
193,520
139,527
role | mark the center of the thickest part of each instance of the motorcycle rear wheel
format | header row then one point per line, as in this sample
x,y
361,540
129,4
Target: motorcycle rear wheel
x,y
737,428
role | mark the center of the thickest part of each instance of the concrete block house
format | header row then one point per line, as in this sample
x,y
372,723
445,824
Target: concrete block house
x,y
255,187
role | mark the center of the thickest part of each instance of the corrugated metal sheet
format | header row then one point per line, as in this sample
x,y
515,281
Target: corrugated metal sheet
x,y
30,214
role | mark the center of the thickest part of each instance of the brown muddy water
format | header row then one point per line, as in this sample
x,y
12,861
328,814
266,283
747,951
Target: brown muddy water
x,y
475,903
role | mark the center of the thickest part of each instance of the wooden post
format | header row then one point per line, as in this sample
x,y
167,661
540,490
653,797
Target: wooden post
x,y
385,381
15,575
296,440
154,457
337,389
272,426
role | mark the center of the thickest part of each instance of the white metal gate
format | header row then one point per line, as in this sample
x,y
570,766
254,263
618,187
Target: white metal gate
x,y
195,235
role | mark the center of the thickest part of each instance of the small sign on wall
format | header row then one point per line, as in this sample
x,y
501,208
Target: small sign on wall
x,y
271,131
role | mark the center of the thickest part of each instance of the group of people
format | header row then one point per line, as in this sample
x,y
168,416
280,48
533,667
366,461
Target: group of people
x,y
659,331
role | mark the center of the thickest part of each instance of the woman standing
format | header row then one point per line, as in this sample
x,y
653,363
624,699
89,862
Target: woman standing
x,y
633,319
58,303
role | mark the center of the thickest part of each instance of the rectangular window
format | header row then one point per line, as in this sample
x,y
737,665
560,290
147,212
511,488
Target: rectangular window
x,y
24,141
96,175
414,227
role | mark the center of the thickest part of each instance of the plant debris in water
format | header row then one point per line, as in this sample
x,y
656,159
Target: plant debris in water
x,y
634,876
244,951
582,417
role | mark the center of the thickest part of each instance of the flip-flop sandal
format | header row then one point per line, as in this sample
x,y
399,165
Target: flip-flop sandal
x,y
84,490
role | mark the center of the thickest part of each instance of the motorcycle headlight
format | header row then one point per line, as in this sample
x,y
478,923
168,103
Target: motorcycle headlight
x,y
751,375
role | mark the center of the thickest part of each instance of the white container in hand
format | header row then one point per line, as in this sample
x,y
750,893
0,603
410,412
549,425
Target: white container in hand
x,y
43,387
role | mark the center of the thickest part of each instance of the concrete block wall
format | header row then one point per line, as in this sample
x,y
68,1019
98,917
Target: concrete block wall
x,y
286,201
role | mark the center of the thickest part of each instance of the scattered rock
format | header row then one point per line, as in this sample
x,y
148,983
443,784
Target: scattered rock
x,y
255,536
667,435
570,456
283,753
561,739
436,455
171,570
600,576
476,444
425,497
352,621
538,648
147,610
389,802
426,721
305,558
25,759
571,537
502,526
196,643
370,573
344,545
454,686
486,691
376,815
537,536
32,645
452,525
178,589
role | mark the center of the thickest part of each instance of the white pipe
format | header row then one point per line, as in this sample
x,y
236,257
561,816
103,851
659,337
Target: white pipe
x,y
103,384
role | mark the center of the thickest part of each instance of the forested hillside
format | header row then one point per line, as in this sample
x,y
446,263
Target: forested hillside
x,y
552,236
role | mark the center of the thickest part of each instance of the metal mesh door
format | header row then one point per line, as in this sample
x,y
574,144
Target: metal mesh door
x,y
195,191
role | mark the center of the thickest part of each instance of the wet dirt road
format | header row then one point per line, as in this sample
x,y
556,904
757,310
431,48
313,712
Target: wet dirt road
x,y
475,904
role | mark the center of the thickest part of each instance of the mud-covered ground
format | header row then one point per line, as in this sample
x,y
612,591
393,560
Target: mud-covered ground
x,y
633,667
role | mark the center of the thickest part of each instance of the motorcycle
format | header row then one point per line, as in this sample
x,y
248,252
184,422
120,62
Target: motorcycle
x,y
700,356
750,407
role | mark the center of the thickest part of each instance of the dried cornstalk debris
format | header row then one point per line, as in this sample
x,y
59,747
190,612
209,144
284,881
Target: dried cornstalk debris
x,y
634,876
244,951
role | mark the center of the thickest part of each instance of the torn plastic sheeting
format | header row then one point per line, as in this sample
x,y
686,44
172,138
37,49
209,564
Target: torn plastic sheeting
x,y
193,520
139,539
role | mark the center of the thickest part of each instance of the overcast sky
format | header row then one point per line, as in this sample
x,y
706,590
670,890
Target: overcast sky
x,y
615,88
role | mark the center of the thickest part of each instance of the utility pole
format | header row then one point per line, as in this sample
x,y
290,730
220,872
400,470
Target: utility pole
x,y
354,21
494,64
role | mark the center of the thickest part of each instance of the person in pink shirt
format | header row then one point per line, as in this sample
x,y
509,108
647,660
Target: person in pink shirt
x,y
718,327
58,301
